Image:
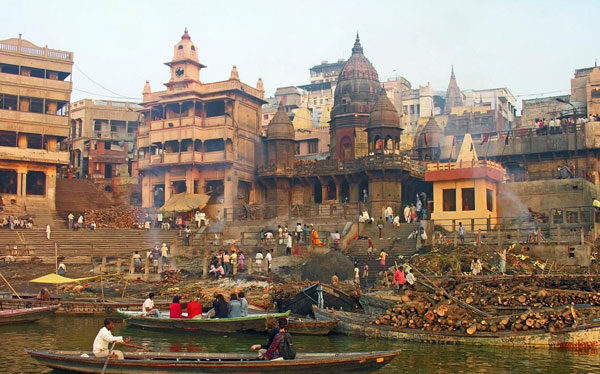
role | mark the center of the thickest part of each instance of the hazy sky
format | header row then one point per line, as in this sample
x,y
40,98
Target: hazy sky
x,y
525,45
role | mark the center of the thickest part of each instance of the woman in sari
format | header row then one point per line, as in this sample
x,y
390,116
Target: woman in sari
x,y
315,238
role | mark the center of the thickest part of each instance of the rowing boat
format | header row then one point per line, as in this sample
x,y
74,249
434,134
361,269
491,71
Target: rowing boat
x,y
26,314
258,322
307,326
79,306
358,324
214,363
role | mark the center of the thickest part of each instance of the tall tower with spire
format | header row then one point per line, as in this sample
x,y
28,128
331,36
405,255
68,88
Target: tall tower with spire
x,y
454,97
355,95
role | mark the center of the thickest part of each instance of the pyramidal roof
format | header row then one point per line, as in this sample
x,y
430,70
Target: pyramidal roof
x,y
384,113
454,97
280,127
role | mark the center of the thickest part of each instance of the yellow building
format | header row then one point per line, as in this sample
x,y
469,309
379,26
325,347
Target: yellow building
x,y
34,95
465,190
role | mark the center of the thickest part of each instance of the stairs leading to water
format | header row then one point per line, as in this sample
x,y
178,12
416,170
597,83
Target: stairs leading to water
x,y
394,241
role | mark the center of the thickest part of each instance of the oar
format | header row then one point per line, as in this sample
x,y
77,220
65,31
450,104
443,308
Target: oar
x,y
108,357
146,349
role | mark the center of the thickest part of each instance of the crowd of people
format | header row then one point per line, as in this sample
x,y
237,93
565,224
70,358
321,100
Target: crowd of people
x,y
16,223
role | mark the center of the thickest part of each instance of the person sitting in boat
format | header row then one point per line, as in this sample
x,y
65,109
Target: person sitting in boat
x,y
148,308
175,308
235,307
220,307
194,308
244,302
104,338
271,350
43,294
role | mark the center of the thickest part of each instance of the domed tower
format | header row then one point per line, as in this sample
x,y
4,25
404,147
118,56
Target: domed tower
x,y
454,96
384,127
281,141
428,141
355,95
185,66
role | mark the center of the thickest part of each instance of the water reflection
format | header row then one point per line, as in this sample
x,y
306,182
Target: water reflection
x,y
77,333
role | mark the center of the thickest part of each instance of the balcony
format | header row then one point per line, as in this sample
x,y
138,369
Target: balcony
x,y
186,158
40,123
34,155
38,83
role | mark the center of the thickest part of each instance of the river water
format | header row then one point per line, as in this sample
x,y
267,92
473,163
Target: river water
x,y
77,333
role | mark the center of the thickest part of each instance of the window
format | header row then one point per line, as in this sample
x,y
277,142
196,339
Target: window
x,y
313,146
449,197
8,102
265,116
107,145
468,199
297,148
490,199
97,126
113,128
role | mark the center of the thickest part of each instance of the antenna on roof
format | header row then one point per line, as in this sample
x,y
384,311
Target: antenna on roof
x,y
19,35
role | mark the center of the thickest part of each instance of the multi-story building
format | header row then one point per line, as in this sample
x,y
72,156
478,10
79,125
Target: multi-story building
x,y
323,79
34,96
102,136
199,137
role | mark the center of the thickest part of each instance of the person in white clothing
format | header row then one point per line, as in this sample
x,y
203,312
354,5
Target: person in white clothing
x,y
407,214
410,278
148,308
269,258
259,259
48,230
104,338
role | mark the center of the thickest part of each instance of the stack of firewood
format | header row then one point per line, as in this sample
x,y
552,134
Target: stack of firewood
x,y
120,217
447,316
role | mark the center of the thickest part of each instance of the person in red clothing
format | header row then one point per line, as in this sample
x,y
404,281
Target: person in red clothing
x,y
399,278
175,308
194,308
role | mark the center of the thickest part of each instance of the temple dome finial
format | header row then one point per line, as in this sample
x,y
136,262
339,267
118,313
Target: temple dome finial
x,y
186,35
357,47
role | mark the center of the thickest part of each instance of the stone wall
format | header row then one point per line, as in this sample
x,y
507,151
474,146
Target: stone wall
x,y
544,195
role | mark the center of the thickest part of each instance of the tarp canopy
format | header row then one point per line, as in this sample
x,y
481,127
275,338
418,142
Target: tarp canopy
x,y
184,202
59,279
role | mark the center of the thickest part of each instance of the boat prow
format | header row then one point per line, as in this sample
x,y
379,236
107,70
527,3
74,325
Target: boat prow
x,y
26,314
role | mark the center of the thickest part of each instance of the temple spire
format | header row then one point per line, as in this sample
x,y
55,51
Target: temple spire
x,y
357,47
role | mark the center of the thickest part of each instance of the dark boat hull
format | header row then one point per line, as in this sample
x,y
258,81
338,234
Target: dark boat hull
x,y
306,326
302,303
257,322
9,317
188,363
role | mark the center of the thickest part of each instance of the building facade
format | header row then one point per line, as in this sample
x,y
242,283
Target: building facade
x,y
199,137
103,137
35,91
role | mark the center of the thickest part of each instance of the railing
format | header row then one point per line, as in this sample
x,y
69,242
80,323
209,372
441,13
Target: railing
x,y
371,162
461,165
348,211
52,53
252,239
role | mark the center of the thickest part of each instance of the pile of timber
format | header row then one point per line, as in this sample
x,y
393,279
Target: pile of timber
x,y
438,313
118,217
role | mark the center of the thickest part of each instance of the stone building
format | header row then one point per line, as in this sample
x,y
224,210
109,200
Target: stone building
x,y
364,153
102,136
199,137
34,95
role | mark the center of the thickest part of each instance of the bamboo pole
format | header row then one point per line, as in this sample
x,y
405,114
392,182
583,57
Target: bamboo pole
x,y
124,289
9,286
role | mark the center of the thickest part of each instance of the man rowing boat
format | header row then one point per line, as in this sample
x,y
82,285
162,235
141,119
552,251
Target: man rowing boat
x,y
104,338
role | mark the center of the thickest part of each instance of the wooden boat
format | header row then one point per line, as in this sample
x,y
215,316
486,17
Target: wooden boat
x,y
214,363
8,317
258,322
307,326
302,303
80,306
582,337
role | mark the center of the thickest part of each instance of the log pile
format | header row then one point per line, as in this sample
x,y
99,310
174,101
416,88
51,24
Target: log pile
x,y
440,314
118,217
